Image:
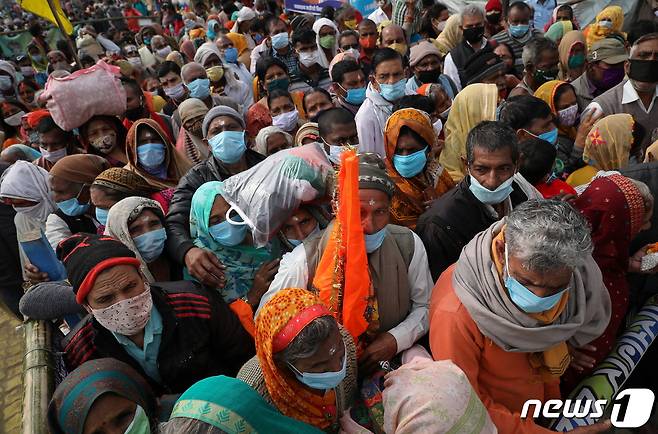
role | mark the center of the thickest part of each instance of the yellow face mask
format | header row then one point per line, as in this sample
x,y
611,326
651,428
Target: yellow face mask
x,y
399,47
350,24
215,73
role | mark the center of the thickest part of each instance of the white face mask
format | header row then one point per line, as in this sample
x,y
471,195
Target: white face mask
x,y
309,59
126,317
438,126
15,119
286,121
135,61
354,52
33,211
53,156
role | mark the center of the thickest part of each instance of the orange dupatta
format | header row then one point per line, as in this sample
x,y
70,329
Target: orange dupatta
x,y
340,278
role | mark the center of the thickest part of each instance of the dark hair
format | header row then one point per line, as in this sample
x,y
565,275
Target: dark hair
x,y
426,27
229,7
367,21
304,36
112,193
315,90
129,82
265,63
418,102
341,68
347,34
168,67
271,21
641,28
384,55
278,93
565,7
331,118
518,5
328,12
519,111
537,159
492,136
258,25
11,131
35,29
645,37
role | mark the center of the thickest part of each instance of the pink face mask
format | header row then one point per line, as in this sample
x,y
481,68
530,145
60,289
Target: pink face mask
x,y
126,317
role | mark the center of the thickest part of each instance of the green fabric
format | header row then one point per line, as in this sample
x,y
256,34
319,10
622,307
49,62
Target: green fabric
x,y
241,261
232,406
147,357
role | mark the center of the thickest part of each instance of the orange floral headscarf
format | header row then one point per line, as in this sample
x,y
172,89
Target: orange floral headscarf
x,y
292,399
411,193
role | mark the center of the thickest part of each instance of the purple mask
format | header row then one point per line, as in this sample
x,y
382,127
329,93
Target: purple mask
x,y
611,78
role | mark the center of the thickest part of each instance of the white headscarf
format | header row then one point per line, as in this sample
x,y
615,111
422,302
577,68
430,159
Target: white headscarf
x,y
120,214
244,14
264,134
205,51
27,181
324,62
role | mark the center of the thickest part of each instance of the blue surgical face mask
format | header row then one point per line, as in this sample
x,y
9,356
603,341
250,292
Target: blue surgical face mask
x,y
410,165
519,30
525,299
140,423
72,207
231,55
356,96
199,88
280,40
227,234
393,92
549,136
151,244
151,155
313,233
228,146
489,197
321,380
101,216
374,241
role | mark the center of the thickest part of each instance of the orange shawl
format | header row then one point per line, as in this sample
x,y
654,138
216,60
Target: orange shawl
x,y
289,396
411,193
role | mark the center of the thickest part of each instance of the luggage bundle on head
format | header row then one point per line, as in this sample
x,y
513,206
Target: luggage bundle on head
x,y
266,195
76,98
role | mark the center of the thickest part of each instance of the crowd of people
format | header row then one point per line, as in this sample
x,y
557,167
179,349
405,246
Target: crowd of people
x,y
492,171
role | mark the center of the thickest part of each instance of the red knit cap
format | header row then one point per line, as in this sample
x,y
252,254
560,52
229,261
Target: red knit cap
x,y
493,5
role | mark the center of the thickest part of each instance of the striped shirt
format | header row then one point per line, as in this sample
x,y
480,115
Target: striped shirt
x,y
504,37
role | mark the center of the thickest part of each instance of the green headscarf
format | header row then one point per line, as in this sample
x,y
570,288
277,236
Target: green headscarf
x,y
235,408
241,261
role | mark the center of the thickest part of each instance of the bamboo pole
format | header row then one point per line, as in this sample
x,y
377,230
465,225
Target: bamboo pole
x,y
66,36
39,373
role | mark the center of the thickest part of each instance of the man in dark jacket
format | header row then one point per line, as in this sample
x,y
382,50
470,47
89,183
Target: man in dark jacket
x,y
173,333
223,129
489,193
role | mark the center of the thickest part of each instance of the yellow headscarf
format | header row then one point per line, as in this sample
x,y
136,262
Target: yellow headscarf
x,y
474,104
239,42
546,92
450,36
596,32
609,142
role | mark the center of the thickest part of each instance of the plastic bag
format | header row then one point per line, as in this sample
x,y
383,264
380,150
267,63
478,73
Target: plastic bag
x,y
76,98
266,195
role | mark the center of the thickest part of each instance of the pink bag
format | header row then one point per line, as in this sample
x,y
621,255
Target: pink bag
x,y
74,99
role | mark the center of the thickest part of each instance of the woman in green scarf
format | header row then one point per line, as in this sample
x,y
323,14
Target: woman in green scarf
x,y
227,405
215,226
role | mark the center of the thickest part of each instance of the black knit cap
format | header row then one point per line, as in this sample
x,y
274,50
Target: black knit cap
x,y
85,256
481,65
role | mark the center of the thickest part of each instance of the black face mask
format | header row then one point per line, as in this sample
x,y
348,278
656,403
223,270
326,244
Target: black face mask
x,y
493,18
643,70
429,76
135,114
474,34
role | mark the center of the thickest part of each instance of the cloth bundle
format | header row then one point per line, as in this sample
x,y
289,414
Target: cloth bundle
x,y
76,98
266,195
